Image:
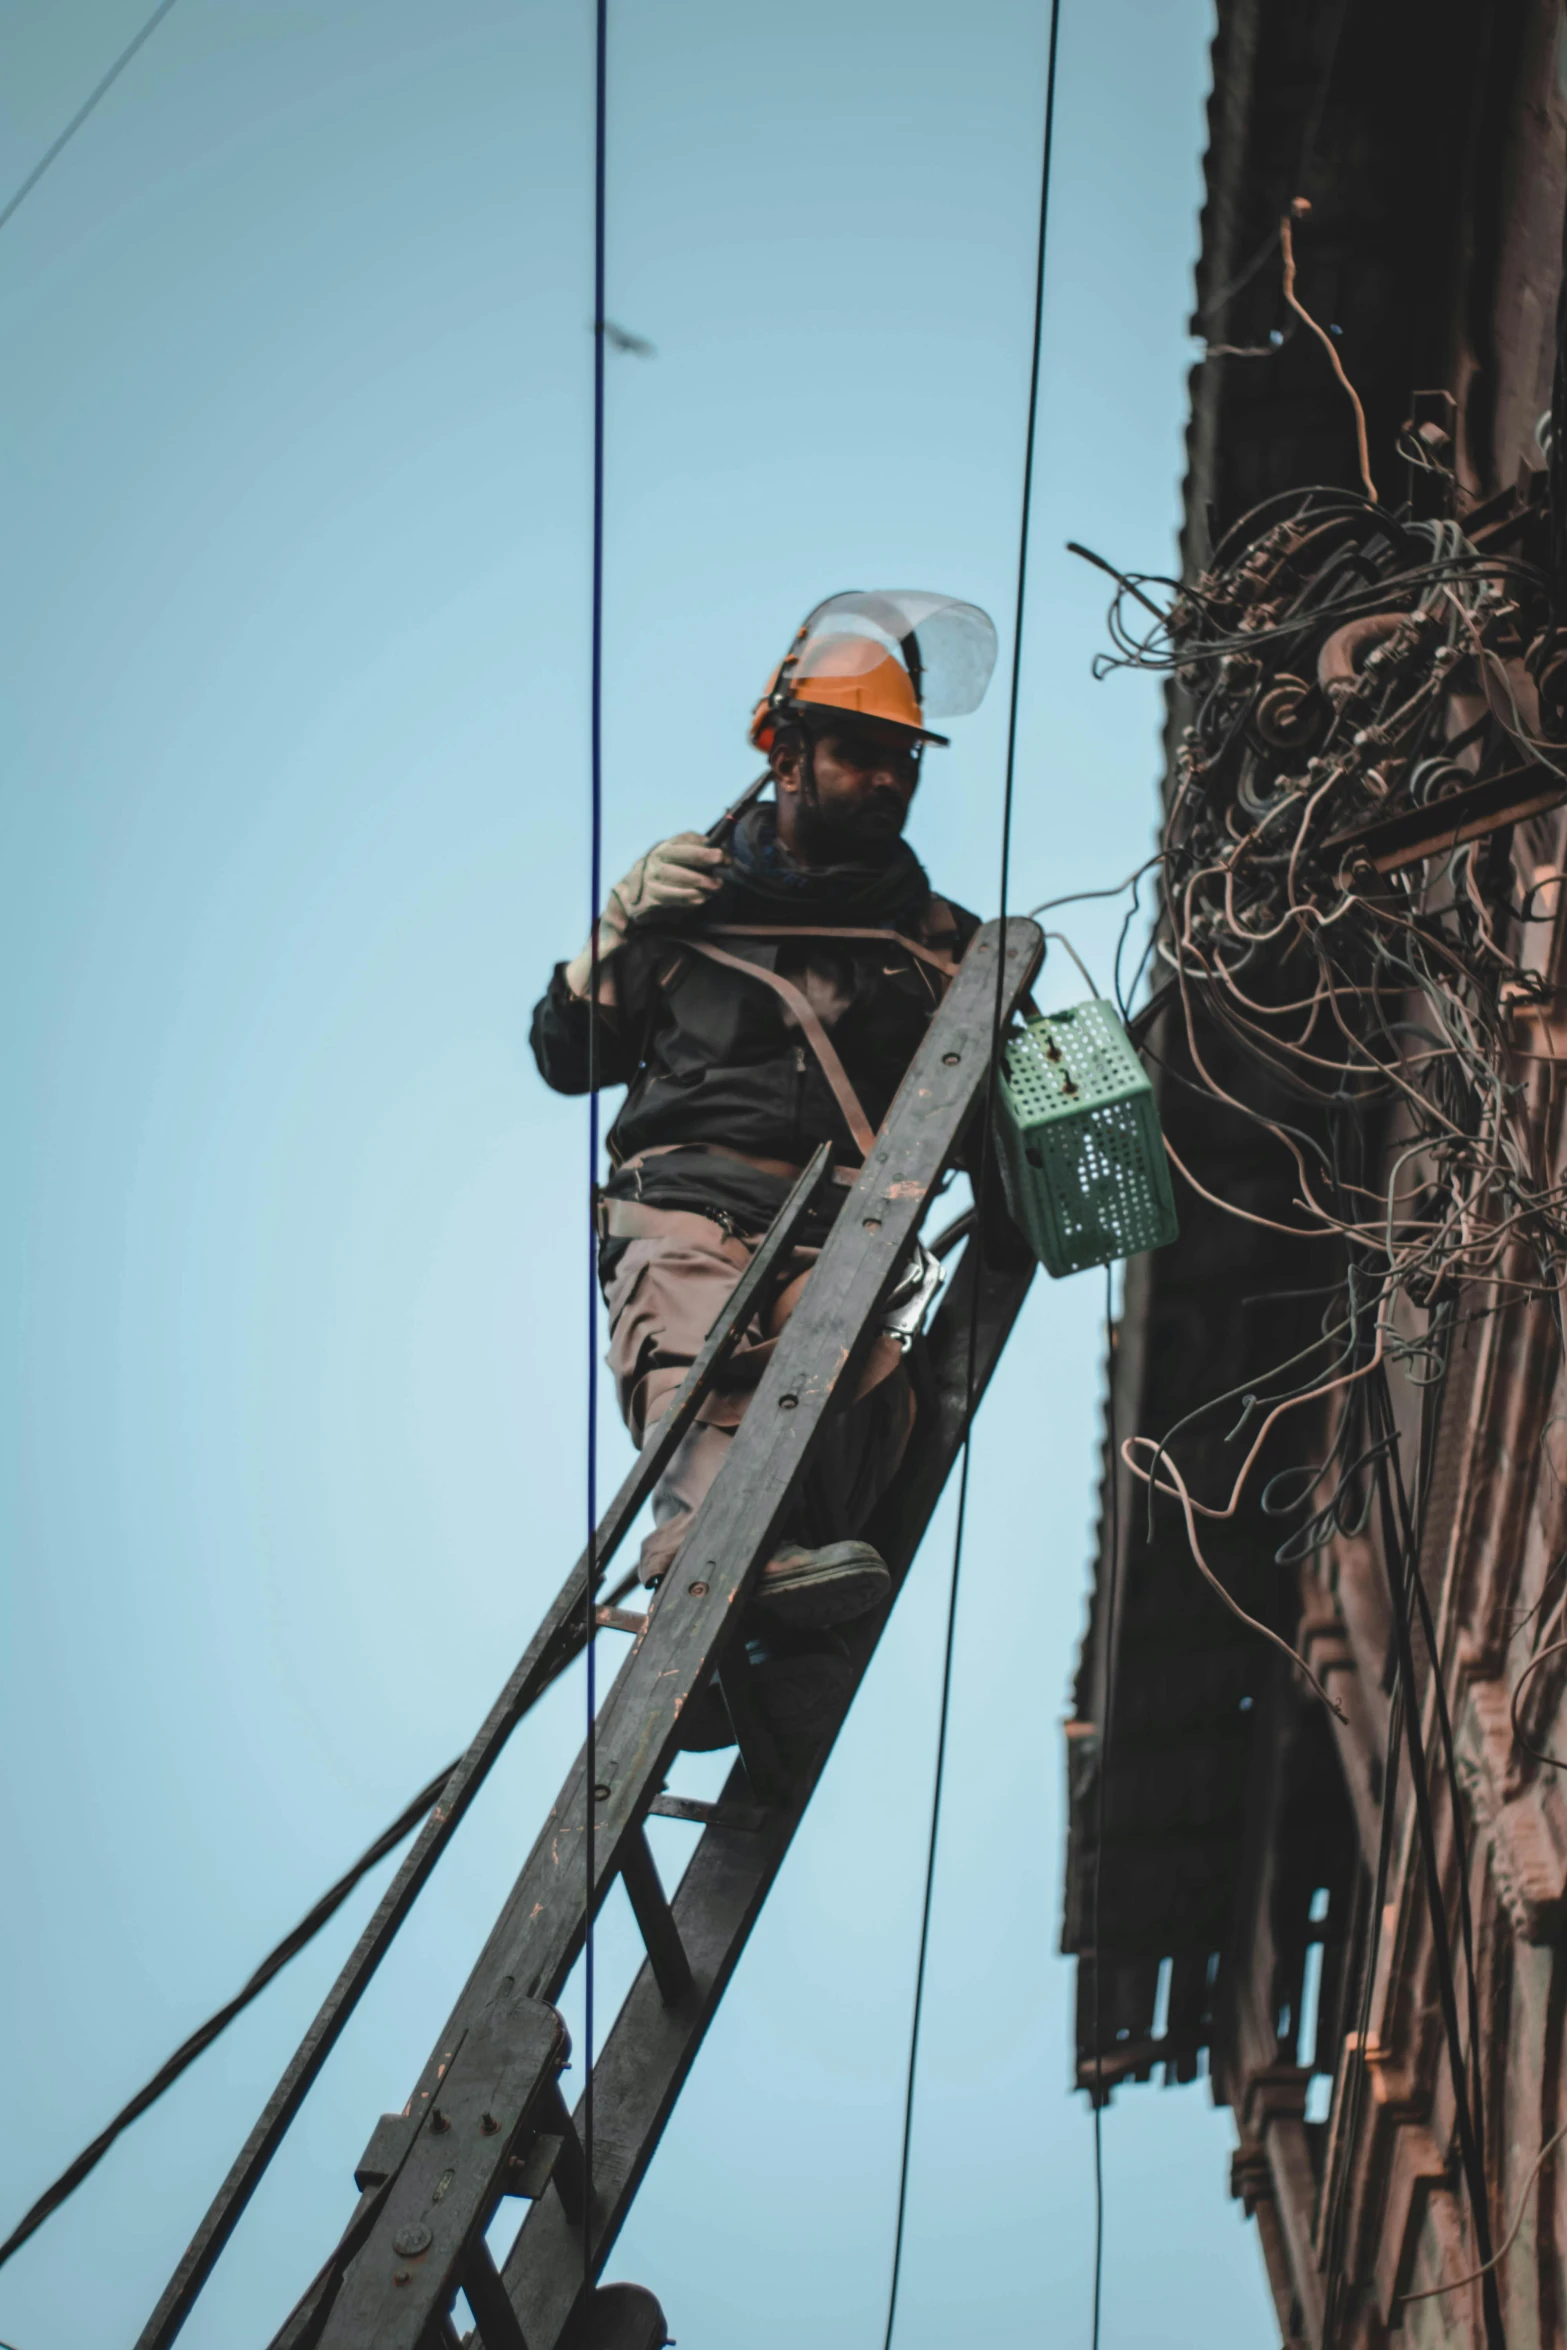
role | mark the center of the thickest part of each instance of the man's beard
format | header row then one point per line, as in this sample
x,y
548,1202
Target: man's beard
x,y
869,835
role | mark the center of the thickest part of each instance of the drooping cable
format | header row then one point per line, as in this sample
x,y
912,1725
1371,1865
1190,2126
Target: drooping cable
x,y
595,870
84,110
982,1180
202,2038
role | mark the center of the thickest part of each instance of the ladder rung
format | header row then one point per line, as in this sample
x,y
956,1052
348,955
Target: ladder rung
x,y
569,2172
749,1818
666,1952
529,2174
619,1619
489,2301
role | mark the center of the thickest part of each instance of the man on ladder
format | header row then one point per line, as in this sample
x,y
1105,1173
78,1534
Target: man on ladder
x,y
760,990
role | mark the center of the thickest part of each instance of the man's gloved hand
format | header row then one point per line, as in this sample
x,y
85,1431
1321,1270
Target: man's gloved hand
x,y
677,872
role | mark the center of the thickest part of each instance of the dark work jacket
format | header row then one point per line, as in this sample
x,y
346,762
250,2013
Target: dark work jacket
x,y
710,1057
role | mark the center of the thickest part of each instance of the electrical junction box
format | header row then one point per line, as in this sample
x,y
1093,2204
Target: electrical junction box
x,y
1082,1154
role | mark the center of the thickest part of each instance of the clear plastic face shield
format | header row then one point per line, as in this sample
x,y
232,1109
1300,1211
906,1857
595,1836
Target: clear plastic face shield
x,y
945,650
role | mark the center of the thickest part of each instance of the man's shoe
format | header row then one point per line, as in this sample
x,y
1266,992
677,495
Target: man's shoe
x,y
810,1589
798,1696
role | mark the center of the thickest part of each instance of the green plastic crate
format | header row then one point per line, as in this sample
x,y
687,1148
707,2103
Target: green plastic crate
x,y
1082,1155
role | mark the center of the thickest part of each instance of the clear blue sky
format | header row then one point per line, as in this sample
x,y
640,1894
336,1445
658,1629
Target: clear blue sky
x,y
294,450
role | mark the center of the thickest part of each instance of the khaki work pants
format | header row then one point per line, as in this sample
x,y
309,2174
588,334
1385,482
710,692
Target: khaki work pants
x,y
664,1296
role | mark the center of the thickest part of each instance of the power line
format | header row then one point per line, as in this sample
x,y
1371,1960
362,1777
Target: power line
x,y
202,2038
80,116
1402,1568
1106,1721
595,878
981,1189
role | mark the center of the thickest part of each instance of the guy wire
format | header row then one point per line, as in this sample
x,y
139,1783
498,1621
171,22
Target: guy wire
x,y
976,1244
595,861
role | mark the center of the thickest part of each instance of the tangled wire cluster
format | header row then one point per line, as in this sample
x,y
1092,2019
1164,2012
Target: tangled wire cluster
x,y
1377,706
1369,694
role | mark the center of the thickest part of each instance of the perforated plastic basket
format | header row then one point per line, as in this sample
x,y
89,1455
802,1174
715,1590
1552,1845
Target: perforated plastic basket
x,y
1081,1152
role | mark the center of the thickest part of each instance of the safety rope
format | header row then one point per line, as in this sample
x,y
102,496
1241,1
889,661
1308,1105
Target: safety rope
x,y
982,1182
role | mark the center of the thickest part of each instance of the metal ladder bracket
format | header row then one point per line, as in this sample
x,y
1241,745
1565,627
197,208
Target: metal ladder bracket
x,y
430,2232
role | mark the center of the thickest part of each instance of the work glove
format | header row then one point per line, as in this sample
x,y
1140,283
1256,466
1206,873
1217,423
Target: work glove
x,y
677,872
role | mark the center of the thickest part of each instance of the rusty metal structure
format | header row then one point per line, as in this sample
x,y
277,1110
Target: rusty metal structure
x,y
1337,1888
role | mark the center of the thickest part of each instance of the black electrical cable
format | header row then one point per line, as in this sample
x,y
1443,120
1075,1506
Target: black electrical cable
x,y
1400,1568
912,2067
983,1179
595,892
1106,1722
1355,2085
83,111
202,2038
1449,1755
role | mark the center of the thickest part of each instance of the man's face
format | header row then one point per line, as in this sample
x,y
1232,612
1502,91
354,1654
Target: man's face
x,y
861,801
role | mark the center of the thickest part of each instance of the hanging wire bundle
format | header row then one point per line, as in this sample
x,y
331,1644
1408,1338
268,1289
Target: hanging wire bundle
x,y
1373,701
1355,931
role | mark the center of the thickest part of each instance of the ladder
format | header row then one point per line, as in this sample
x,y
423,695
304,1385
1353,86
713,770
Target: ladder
x,y
487,2120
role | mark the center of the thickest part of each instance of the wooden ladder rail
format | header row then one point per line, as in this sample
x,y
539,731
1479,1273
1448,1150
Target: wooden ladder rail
x,y
435,2175
558,1641
649,2051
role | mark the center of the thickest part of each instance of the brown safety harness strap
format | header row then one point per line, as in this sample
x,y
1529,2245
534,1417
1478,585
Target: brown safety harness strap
x,y
786,1168
931,955
814,1033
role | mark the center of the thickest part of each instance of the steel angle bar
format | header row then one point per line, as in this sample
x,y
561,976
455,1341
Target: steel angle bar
x,y
591,1827
557,1642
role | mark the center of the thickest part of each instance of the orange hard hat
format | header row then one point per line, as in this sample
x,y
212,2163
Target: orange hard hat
x,y
884,658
